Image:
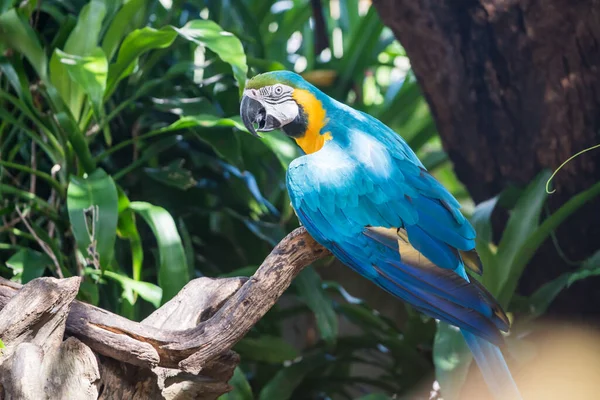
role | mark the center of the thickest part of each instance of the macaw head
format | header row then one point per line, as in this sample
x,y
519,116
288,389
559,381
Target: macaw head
x,y
284,100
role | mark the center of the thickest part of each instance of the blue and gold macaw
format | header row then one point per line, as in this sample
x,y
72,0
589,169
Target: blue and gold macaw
x,y
362,193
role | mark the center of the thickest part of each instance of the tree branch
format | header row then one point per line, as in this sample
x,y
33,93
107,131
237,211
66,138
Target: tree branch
x,y
212,314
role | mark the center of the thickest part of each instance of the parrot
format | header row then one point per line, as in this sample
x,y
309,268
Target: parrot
x,y
362,193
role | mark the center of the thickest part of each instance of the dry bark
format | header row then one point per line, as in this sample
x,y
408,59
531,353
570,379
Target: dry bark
x,y
514,88
181,351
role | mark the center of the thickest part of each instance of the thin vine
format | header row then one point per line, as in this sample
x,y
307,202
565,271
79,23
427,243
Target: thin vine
x,y
565,163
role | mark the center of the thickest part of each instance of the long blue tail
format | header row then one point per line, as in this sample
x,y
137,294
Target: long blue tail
x,y
491,362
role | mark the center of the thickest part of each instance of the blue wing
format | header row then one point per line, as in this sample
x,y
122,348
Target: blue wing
x,y
383,215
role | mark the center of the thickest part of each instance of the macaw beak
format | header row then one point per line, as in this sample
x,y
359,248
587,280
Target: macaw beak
x,y
255,117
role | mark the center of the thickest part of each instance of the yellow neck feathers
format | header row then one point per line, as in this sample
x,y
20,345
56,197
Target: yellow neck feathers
x,y
312,140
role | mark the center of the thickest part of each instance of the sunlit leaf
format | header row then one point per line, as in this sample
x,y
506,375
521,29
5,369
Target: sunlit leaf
x,y
126,20
127,229
90,73
82,41
205,121
93,204
224,44
359,50
173,273
147,291
135,44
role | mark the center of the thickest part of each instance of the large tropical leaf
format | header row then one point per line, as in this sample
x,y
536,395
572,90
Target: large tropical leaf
x,y
93,205
173,271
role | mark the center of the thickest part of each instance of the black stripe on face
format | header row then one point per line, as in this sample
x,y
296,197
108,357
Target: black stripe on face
x,y
280,100
297,128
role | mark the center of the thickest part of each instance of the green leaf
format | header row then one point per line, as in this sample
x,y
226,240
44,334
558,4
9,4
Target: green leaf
x,y
241,387
225,144
282,146
310,289
359,50
90,73
205,121
76,138
434,159
482,219
364,317
17,34
16,77
83,41
5,5
28,264
285,382
224,44
173,175
93,204
126,20
482,222
375,396
88,291
409,114
147,291
173,272
228,147
523,221
452,358
135,44
265,348
541,299
535,240
127,229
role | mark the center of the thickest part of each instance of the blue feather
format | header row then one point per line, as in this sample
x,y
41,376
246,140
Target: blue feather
x,y
493,367
367,177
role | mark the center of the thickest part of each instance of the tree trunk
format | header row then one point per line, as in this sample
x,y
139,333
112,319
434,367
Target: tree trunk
x,y
514,88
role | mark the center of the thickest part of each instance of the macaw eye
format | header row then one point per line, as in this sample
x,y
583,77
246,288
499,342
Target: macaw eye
x,y
278,90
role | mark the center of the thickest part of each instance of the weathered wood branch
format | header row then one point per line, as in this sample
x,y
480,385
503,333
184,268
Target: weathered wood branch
x,y
184,346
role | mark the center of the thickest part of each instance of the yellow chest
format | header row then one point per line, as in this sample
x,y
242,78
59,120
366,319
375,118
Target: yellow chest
x,y
312,140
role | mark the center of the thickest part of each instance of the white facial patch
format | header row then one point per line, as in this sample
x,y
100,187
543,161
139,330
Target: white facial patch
x,y
277,101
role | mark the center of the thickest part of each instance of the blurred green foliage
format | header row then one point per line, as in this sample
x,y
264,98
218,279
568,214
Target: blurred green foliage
x,y
123,160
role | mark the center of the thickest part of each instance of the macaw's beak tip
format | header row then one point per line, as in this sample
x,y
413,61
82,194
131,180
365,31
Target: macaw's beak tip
x,y
253,112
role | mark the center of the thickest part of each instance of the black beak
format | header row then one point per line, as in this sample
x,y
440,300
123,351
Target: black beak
x,y
253,112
